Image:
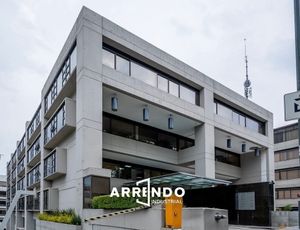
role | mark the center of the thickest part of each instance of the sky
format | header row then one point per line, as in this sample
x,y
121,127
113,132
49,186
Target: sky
x,y
206,34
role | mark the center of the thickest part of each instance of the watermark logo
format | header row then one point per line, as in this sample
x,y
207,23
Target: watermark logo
x,y
147,192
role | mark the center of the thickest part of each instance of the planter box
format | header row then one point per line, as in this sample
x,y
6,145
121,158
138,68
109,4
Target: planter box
x,y
46,225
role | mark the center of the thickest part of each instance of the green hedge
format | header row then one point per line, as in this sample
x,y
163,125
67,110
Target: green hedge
x,y
63,216
107,202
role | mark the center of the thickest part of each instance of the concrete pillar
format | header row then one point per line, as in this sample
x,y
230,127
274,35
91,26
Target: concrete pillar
x,y
205,148
89,97
88,103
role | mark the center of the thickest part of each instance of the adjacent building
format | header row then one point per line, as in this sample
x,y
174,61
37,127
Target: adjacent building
x,y
287,166
115,108
2,197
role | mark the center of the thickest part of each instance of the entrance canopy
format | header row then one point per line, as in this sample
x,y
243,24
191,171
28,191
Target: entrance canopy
x,y
189,181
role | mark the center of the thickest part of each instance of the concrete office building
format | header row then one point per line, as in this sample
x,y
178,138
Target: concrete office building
x,y
115,109
287,166
2,197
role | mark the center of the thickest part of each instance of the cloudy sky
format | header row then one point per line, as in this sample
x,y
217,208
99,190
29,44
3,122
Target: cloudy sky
x,y
206,34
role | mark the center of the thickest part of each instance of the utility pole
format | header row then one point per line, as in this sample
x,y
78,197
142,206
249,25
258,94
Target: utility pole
x,y
297,47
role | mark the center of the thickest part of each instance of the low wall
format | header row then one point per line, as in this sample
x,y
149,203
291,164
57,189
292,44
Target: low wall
x,y
45,225
284,218
153,219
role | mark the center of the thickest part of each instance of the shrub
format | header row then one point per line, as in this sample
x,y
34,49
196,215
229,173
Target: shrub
x,y
63,216
107,202
288,207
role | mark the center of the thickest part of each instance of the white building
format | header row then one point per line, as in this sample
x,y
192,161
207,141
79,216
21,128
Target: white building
x,y
116,108
2,197
287,166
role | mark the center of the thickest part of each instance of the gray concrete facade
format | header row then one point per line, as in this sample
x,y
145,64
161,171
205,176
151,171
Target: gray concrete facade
x,y
81,144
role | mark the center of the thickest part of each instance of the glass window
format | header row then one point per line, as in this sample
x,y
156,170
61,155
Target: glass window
x,y
122,65
143,74
73,59
236,117
292,174
283,175
167,141
277,156
224,111
277,176
121,128
173,88
251,124
187,94
293,154
295,193
94,186
183,144
227,157
287,194
162,83
280,194
108,58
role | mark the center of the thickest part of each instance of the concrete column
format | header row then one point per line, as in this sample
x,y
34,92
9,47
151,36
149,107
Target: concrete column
x,y
205,148
89,97
88,155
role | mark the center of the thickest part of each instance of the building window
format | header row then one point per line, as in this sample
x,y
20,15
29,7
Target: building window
x,y
36,120
50,165
162,83
288,193
239,117
45,201
144,133
62,77
287,174
34,150
286,133
143,74
129,171
33,176
94,186
173,88
288,154
187,94
55,124
108,58
228,157
122,65
148,75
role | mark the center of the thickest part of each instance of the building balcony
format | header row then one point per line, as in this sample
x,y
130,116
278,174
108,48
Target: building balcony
x,y
61,124
63,85
51,199
21,168
21,148
34,153
55,164
34,127
33,177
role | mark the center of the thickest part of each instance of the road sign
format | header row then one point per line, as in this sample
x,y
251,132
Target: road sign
x,y
292,106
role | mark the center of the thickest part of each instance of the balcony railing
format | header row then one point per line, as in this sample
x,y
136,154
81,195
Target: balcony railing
x,y
34,152
61,124
21,166
55,164
21,147
61,83
34,125
21,184
34,176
